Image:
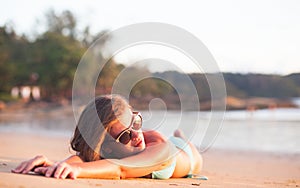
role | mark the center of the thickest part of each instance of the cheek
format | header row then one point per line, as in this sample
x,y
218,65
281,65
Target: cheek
x,y
141,136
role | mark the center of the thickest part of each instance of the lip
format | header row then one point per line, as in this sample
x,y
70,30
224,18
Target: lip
x,y
138,144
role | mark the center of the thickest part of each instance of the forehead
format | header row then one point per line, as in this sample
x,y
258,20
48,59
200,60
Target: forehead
x,y
126,117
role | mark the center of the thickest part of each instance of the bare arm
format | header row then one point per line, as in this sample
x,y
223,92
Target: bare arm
x,y
73,159
153,158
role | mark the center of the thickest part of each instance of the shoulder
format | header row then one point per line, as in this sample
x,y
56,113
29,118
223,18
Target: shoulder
x,y
152,137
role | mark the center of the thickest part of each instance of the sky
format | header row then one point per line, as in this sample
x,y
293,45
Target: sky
x,y
244,36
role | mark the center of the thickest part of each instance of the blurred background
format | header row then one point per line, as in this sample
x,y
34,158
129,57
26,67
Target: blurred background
x,y
255,44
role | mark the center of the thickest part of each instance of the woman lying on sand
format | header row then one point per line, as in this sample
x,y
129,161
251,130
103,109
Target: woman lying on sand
x,y
110,144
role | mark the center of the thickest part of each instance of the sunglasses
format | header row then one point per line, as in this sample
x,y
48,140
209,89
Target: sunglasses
x,y
136,124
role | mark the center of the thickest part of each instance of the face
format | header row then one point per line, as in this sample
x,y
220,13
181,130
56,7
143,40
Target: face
x,y
126,140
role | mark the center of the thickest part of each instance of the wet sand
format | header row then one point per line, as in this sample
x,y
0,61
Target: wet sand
x,y
223,168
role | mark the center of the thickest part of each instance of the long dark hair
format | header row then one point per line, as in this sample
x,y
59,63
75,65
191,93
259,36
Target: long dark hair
x,y
94,123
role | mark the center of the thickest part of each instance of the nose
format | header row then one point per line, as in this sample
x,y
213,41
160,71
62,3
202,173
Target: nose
x,y
134,135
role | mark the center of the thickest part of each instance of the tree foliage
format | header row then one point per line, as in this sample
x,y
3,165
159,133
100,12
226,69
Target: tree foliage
x,y
50,61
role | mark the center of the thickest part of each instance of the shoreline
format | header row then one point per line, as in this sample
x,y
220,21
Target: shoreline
x,y
224,168
232,103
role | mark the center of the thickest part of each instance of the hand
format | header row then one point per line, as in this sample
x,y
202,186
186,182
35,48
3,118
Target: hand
x,y
31,164
60,170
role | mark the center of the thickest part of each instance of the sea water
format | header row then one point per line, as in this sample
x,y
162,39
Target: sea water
x,y
276,130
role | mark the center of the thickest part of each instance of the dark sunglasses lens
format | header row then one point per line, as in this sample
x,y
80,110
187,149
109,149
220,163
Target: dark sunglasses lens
x,y
125,138
137,123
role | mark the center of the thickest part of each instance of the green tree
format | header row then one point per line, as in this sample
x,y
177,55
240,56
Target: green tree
x,y
55,58
13,58
64,24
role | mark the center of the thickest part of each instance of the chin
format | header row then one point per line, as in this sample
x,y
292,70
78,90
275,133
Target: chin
x,y
139,149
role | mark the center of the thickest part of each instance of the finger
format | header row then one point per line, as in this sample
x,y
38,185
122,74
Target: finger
x,y
32,164
71,175
65,173
26,166
39,160
20,168
41,170
59,169
50,170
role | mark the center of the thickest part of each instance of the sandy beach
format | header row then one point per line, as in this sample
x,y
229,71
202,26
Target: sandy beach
x,y
223,168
